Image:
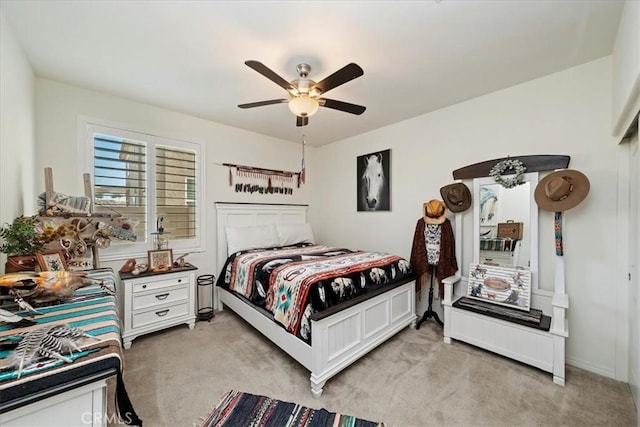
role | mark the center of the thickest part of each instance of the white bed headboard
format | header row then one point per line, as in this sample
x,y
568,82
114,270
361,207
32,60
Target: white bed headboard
x,y
252,214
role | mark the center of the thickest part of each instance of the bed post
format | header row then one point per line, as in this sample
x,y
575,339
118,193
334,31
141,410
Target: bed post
x,y
316,387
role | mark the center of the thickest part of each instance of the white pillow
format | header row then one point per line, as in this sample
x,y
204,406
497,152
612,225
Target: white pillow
x,y
242,238
290,234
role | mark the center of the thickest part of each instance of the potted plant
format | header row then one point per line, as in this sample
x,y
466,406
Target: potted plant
x,y
20,241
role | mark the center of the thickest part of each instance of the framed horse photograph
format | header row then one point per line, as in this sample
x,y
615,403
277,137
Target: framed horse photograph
x,y
374,181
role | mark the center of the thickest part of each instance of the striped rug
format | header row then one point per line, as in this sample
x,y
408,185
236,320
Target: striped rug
x,y
240,409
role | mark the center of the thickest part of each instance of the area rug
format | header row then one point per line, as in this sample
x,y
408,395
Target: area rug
x,y
240,409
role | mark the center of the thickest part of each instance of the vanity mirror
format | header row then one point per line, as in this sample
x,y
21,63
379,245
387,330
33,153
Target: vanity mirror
x,y
506,224
542,346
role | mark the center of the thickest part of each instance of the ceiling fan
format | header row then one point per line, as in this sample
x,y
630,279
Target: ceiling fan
x,y
305,95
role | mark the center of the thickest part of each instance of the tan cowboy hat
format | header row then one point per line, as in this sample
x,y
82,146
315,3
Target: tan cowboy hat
x,y
456,196
434,212
561,190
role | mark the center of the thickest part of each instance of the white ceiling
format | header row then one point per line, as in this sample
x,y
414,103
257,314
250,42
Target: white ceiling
x,y
417,56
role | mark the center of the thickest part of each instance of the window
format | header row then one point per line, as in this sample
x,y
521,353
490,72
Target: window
x,y
144,177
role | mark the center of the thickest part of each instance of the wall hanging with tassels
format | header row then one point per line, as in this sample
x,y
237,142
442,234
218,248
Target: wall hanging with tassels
x,y
249,179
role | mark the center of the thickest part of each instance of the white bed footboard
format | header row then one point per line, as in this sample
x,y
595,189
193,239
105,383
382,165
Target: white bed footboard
x,y
346,336
340,339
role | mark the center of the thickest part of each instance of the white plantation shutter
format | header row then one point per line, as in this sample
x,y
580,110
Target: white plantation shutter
x,y
120,184
144,177
175,191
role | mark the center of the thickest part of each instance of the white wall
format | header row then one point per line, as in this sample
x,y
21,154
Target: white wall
x,y
60,105
17,128
564,113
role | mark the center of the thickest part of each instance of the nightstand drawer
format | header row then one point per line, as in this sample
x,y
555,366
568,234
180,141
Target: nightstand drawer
x,y
151,284
161,297
160,315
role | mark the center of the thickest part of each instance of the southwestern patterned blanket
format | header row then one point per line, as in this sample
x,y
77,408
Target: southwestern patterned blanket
x,y
93,309
294,282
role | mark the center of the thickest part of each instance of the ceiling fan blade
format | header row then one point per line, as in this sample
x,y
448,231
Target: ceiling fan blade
x,y
343,75
342,106
270,74
261,103
302,121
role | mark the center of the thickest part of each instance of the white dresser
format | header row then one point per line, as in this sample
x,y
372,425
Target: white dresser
x,y
155,301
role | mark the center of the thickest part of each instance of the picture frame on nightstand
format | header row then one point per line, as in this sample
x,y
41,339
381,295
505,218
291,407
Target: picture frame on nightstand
x,y
160,259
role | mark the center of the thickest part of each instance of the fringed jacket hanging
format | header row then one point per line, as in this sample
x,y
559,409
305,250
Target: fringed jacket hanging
x,y
447,264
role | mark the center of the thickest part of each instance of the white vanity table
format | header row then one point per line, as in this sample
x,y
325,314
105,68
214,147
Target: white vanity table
x,y
543,349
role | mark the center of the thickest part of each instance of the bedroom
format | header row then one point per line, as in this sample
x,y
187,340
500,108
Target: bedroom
x,y
564,112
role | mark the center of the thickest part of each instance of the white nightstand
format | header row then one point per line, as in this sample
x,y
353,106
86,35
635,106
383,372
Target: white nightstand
x,y
155,301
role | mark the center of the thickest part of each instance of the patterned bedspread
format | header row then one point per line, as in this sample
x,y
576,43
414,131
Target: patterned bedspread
x,y
91,309
294,282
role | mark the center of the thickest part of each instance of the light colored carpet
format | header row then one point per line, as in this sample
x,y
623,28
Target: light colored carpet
x,y
175,377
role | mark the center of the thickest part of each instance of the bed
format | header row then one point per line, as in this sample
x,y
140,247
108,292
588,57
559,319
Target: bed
x,y
51,392
339,334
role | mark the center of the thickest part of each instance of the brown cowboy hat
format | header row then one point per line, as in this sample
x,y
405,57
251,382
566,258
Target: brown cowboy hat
x,y
561,190
456,196
434,212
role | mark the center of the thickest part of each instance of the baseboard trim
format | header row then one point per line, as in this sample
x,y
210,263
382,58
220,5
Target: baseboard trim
x,y
609,373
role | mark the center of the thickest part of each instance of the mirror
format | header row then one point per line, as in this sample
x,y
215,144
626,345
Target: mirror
x,y
506,224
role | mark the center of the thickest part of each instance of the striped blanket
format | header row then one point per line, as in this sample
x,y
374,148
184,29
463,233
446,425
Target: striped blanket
x,y
244,409
91,309
294,282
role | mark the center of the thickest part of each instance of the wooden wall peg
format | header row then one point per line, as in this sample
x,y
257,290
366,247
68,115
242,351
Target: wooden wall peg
x,y
48,187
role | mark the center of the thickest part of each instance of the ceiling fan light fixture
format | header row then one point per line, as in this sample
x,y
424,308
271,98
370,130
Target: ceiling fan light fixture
x,y
303,106
305,95
314,92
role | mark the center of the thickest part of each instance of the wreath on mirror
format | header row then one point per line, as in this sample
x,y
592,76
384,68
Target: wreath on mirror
x,y
513,179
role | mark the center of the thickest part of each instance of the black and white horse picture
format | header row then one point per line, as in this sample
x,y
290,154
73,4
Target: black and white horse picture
x,y
374,179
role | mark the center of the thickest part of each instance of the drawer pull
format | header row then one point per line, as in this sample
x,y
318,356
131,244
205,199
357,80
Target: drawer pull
x,y
162,296
162,313
179,280
144,286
